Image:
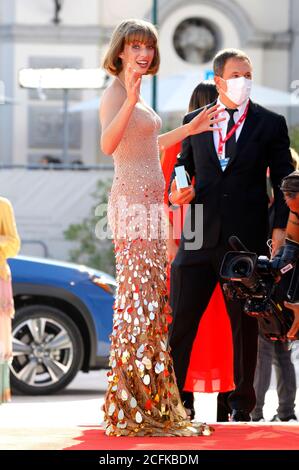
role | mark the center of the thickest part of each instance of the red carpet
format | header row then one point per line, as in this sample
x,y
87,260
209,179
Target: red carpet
x,y
226,437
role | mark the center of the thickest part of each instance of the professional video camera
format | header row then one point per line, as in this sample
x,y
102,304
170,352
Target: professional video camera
x,y
254,279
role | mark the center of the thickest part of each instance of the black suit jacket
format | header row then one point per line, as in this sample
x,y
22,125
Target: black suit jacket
x,y
235,201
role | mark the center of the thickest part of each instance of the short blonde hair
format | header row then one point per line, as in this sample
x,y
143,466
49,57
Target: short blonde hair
x,y
127,32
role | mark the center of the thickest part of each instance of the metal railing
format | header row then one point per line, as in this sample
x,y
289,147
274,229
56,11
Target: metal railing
x,y
56,166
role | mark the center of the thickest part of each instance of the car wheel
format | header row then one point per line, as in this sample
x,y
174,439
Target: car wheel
x,y
47,350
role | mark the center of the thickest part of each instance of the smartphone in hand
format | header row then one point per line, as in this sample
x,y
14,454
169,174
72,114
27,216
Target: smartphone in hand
x,y
181,178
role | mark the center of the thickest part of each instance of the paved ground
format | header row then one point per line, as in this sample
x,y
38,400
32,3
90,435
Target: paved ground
x,y
52,421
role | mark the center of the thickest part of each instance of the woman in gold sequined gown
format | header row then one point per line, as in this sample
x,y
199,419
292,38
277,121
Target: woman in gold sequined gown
x,y
142,396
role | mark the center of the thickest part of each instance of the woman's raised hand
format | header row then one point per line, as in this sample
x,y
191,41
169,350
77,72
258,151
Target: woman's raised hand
x,y
132,84
205,120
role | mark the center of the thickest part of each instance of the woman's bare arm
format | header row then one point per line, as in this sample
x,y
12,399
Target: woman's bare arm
x,y
116,108
115,112
202,122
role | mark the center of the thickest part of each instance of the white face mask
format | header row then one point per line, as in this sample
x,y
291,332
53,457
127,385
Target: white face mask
x,y
238,89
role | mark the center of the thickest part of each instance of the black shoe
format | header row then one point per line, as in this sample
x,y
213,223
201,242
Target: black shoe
x,y
188,402
240,415
187,399
190,413
223,408
276,418
223,418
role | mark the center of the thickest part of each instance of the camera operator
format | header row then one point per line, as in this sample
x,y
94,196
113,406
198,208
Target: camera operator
x,y
275,353
290,189
264,284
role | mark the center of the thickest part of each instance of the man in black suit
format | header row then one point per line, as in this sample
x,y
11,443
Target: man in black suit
x,y
230,173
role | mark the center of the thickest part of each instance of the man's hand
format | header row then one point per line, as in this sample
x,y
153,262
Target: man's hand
x,y
278,238
295,326
179,197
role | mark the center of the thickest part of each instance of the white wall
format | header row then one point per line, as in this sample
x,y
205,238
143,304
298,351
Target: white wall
x,y
267,15
171,63
276,69
6,111
7,11
257,57
47,202
90,59
74,12
113,11
259,11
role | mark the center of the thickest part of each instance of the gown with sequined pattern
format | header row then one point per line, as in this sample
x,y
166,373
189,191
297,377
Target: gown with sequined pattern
x,y
142,396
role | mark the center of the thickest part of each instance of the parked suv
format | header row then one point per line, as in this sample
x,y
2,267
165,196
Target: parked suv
x,y
62,324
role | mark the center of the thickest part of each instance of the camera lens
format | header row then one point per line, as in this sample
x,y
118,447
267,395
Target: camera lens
x,y
242,267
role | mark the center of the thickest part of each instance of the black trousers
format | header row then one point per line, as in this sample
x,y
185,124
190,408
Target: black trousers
x,y
193,280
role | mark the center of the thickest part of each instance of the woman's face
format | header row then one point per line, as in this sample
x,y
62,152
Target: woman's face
x,y
138,55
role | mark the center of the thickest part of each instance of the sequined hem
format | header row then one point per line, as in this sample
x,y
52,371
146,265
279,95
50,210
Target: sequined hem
x,y
185,429
142,396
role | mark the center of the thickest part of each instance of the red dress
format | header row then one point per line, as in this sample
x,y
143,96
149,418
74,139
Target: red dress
x,y
211,362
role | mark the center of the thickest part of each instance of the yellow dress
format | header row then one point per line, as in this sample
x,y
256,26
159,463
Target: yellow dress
x,y
142,397
9,247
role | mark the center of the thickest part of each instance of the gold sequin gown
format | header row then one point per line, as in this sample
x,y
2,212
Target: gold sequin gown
x,y
142,396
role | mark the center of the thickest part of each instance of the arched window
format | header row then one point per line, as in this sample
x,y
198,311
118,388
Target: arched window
x,y
196,40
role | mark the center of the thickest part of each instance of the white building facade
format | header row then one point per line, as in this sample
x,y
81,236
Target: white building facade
x,y
191,31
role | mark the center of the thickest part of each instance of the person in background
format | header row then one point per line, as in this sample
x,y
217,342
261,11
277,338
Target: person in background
x,y
49,160
230,168
276,353
210,367
9,247
290,188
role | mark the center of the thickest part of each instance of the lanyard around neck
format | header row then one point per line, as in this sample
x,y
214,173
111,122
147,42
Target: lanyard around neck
x,y
222,140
